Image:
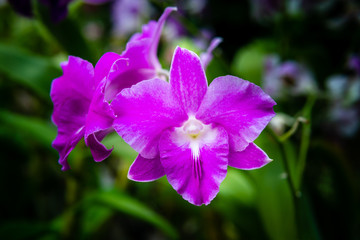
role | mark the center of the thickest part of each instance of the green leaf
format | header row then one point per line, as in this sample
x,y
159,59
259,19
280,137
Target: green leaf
x,y
121,148
238,187
33,72
37,129
23,230
275,201
248,62
126,204
93,218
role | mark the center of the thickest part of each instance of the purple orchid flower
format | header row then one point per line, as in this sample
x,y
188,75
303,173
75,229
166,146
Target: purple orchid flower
x,y
288,77
344,96
191,132
82,94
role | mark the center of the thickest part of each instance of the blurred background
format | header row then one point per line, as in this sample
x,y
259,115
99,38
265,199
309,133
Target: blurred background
x,y
305,54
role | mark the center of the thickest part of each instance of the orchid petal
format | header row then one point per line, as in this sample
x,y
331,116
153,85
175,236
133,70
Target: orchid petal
x,y
195,176
139,60
146,170
104,65
143,112
124,74
98,150
71,94
99,119
250,158
241,107
152,31
187,79
207,56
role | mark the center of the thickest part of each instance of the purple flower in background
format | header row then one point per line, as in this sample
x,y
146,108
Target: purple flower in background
x,y
265,8
127,15
58,8
191,132
82,94
287,78
344,111
354,64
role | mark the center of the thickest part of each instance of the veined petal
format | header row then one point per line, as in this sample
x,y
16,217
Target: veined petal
x,y
143,112
71,94
241,107
187,79
250,158
146,170
99,119
195,169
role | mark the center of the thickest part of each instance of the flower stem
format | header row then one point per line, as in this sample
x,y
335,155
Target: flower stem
x,y
293,129
289,176
305,140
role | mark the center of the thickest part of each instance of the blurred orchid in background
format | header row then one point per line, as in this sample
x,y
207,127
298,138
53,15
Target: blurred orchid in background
x,y
128,15
288,78
344,94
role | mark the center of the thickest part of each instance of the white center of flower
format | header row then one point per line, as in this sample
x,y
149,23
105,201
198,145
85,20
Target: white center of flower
x,y
192,132
193,127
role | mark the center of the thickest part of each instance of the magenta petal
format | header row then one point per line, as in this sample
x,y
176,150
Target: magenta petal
x,y
250,158
98,150
104,65
146,170
71,94
139,60
187,79
207,56
196,179
241,107
126,72
64,143
152,31
99,119
143,112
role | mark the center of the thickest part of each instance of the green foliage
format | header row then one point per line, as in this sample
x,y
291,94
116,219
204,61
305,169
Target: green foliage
x,y
33,72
